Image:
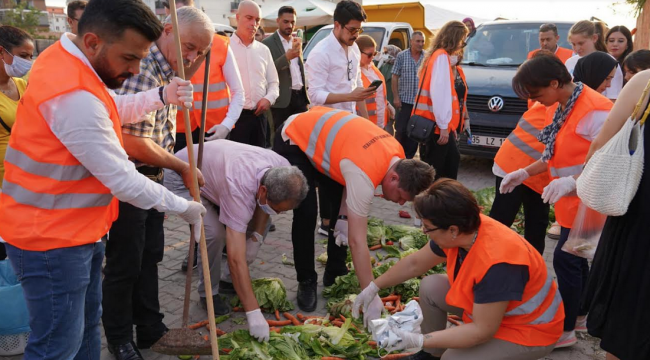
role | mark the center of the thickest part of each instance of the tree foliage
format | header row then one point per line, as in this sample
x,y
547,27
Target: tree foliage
x,y
23,16
638,5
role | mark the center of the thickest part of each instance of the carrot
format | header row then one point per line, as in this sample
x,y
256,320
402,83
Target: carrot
x,y
376,247
396,356
277,314
342,317
198,325
301,317
293,319
337,323
220,332
398,302
205,337
278,323
373,344
227,351
332,318
275,330
237,309
389,298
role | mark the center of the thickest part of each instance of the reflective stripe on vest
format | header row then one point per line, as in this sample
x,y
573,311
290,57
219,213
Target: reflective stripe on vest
x,y
313,137
424,106
565,171
49,170
215,104
54,202
521,144
534,303
211,87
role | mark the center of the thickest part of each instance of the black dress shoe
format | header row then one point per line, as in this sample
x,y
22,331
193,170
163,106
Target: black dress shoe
x,y
220,307
330,277
307,298
125,351
272,228
146,340
187,259
226,288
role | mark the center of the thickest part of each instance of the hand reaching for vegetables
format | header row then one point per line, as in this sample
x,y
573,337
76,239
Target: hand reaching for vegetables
x,y
409,340
370,302
257,325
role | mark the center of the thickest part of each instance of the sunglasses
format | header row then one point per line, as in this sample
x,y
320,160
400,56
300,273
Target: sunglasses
x,y
354,30
371,54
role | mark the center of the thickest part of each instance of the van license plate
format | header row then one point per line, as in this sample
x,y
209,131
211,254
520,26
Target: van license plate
x,y
487,141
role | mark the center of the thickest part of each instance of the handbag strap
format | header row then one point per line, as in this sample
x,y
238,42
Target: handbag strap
x,y
637,108
4,125
424,76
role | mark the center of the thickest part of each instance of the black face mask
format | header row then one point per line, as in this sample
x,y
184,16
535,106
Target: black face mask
x,y
594,68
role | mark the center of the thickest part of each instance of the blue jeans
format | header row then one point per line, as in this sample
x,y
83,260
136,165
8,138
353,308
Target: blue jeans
x,y
64,295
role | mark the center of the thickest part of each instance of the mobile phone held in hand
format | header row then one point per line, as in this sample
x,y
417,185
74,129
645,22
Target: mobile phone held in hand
x,y
376,84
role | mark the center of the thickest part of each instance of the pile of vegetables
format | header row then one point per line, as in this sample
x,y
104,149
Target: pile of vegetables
x,y
376,231
270,293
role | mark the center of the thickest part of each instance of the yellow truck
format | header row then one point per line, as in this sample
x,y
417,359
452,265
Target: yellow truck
x,y
409,12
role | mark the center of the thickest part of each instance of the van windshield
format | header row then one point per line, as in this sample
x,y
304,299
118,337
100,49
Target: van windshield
x,y
376,33
506,44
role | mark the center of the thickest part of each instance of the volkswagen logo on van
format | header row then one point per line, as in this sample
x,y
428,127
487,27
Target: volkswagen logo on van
x,y
495,104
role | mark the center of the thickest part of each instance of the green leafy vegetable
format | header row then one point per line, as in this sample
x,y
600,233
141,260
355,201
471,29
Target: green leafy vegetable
x,y
286,261
270,294
222,318
375,231
342,307
322,258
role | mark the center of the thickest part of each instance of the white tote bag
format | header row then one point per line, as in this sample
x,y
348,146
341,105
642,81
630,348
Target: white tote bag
x,y
611,178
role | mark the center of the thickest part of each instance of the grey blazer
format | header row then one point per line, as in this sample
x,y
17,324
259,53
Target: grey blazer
x,y
274,43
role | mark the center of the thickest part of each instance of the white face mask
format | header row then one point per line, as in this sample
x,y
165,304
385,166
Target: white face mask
x,y
19,68
266,208
454,60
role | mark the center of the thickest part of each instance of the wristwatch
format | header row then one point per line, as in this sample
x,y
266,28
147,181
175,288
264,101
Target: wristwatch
x,y
342,217
160,93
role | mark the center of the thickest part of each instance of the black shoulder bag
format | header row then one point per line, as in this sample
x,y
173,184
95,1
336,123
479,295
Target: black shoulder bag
x,y
418,127
4,125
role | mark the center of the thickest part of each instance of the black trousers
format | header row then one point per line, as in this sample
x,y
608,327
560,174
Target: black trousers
x,y
305,215
410,146
572,273
3,252
130,285
297,105
250,129
445,159
181,142
506,206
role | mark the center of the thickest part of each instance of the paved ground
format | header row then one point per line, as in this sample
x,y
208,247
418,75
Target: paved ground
x,y
475,174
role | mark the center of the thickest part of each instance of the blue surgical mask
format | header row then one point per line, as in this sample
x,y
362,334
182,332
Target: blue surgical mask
x,y
19,68
266,208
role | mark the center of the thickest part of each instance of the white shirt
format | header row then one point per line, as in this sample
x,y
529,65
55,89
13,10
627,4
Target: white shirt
x,y
617,82
237,96
360,189
588,128
327,72
294,65
257,70
379,95
81,122
440,91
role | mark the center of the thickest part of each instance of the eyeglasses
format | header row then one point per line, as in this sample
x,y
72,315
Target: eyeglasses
x,y
354,30
350,70
371,54
463,44
427,230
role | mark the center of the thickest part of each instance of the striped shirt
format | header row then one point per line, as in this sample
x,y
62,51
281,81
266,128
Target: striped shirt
x,y
407,69
160,125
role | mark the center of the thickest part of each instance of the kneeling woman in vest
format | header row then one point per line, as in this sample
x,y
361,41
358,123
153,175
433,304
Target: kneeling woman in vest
x,y
497,282
575,115
379,110
442,97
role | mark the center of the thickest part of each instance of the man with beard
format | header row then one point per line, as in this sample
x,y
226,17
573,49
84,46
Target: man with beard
x,y
333,72
287,54
548,40
66,171
136,241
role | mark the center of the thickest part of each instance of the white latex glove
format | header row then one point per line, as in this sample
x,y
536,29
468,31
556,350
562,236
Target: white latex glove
x,y
558,188
253,244
257,325
341,232
409,340
179,92
218,132
512,180
193,215
370,302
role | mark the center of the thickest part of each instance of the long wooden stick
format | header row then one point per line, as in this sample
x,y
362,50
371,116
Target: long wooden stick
x,y
195,191
204,107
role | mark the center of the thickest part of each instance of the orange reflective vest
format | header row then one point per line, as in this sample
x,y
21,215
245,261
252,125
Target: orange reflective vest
x,y
571,149
424,106
562,53
218,92
49,199
328,136
536,320
522,148
371,103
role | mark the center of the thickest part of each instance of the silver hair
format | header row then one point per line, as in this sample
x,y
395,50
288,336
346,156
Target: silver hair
x,y
189,15
285,183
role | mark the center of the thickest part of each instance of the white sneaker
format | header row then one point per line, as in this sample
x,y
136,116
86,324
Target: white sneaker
x,y
581,324
567,339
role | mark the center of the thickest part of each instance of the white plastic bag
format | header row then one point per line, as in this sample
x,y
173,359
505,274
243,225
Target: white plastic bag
x,y
585,233
408,320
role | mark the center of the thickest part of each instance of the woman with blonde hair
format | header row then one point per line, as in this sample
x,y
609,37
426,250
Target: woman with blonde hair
x,y
586,38
442,99
379,110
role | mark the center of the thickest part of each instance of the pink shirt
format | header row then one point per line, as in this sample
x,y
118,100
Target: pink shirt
x,y
232,174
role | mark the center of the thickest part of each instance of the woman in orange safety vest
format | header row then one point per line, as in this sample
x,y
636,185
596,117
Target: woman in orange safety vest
x,y
574,117
496,282
379,109
442,97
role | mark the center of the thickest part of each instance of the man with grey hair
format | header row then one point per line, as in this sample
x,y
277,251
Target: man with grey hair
x,y
136,240
244,185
